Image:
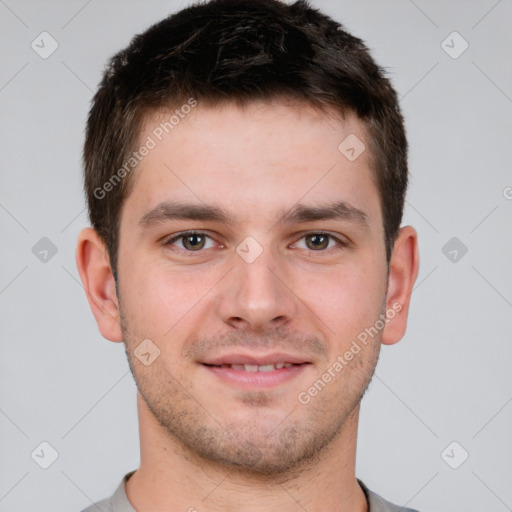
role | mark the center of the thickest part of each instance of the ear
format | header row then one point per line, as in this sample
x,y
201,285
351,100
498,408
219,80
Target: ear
x,y
403,270
95,271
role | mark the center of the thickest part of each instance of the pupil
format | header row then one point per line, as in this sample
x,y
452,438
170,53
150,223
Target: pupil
x,y
193,241
318,241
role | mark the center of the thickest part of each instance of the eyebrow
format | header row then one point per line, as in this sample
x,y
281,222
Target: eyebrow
x,y
340,210
175,210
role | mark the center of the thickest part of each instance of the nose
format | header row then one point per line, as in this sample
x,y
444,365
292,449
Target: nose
x,y
257,296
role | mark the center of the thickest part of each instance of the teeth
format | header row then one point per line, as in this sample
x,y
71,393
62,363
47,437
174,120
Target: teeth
x,y
266,368
255,368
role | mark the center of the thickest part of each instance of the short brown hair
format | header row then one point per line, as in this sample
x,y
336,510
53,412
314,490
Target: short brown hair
x,y
239,51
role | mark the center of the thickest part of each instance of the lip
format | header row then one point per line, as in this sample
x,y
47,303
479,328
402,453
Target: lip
x,y
252,380
260,360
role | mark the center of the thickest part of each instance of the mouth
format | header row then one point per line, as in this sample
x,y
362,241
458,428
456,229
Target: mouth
x,y
254,367
251,375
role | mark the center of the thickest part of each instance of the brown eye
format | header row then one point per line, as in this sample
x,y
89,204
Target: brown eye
x,y
317,241
193,241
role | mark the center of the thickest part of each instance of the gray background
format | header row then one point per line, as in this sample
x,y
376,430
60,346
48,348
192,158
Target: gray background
x,y
448,380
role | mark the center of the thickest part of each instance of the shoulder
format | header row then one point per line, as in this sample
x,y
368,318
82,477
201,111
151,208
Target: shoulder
x,y
100,506
118,502
377,503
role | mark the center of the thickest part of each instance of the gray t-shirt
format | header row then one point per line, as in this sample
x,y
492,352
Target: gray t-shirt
x,y
118,502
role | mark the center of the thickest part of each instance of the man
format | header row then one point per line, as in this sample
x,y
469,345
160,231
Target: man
x,y
246,169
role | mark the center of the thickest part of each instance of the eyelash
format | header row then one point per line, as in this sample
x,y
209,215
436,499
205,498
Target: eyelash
x,y
184,234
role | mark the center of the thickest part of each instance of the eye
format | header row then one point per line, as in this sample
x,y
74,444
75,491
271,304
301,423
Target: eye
x,y
319,241
192,241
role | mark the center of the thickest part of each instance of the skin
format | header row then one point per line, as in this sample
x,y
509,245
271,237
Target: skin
x,y
205,443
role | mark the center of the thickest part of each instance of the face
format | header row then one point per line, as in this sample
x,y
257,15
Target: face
x,y
250,240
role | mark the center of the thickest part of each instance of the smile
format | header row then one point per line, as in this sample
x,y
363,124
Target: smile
x,y
252,376
255,367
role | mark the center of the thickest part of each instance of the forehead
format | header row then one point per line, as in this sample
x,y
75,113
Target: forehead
x,y
253,160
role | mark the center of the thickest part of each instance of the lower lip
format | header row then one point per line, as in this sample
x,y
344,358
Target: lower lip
x,y
257,379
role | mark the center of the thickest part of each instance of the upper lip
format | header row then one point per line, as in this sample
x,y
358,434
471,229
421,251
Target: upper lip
x,y
260,360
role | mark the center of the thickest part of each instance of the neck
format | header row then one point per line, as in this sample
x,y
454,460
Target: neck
x,y
172,476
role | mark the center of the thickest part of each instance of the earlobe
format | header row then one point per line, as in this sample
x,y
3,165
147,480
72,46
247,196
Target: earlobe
x,y
95,271
403,270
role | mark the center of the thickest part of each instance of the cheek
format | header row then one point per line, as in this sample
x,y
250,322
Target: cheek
x,y
346,300
160,300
